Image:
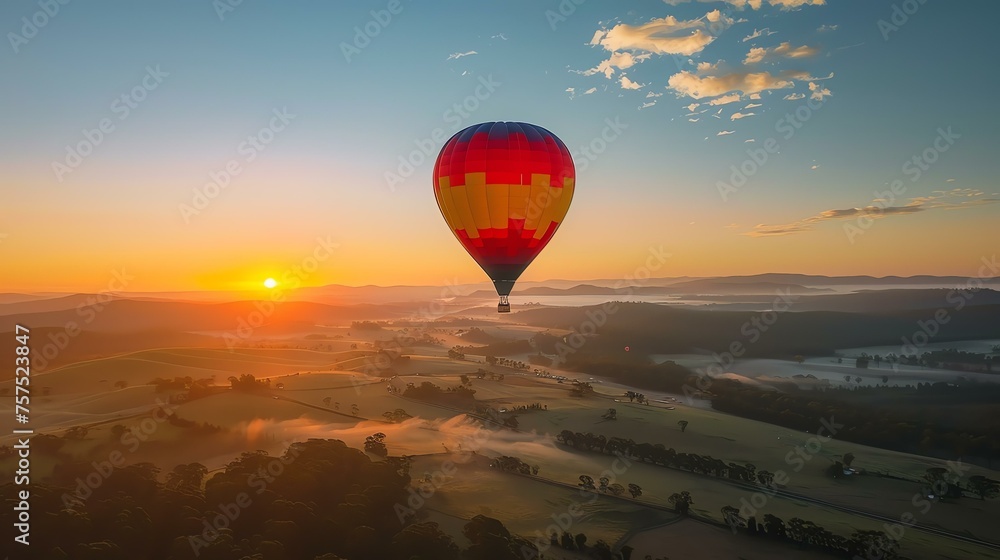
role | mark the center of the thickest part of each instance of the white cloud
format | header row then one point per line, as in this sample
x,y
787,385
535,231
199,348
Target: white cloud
x,y
749,141
755,55
795,96
738,4
647,104
818,92
629,84
698,87
458,55
753,106
725,132
725,99
692,106
825,28
755,96
590,91
693,120
667,35
792,4
737,116
759,33
784,50
652,94
619,60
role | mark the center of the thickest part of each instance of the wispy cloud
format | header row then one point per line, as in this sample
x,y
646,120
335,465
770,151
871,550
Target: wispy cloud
x,y
938,200
698,87
455,56
784,50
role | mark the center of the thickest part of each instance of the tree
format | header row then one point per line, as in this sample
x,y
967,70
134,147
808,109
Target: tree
x,y
616,489
587,482
799,359
464,379
848,459
681,501
683,424
635,490
355,410
120,384
766,478
984,487
375,444
326,401
731,515
187,477
885,379
611,414
580,540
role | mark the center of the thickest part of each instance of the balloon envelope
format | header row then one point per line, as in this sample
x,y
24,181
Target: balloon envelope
x,y
504,188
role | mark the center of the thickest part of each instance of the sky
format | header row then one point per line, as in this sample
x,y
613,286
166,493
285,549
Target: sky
x,y
210,145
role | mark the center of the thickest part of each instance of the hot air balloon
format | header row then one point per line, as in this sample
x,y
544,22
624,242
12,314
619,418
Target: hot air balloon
x,y
504,188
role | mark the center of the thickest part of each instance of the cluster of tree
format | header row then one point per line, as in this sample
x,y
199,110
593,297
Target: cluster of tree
x,y
319,500
658,454
456,354
460,396
664,329
485,374
806,534
528,407
504,362
369,325
604,485
634,396
477,335
927,424
375,444
582,389
600,550
667,376
247,383
513,464
397,416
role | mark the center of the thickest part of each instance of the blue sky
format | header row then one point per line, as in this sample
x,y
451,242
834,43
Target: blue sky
x,y
675,74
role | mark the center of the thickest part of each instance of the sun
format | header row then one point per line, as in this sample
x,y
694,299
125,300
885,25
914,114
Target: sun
x,y
270,283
